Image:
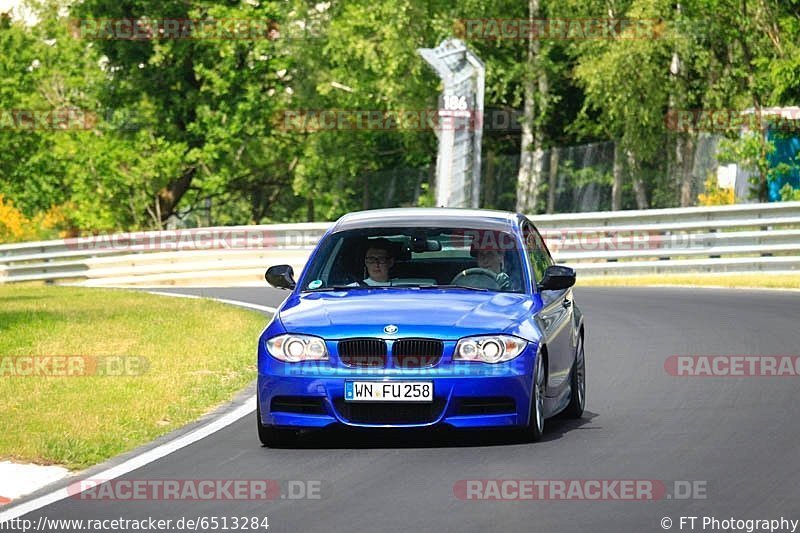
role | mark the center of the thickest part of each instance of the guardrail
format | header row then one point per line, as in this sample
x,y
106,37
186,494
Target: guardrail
x,y
738,238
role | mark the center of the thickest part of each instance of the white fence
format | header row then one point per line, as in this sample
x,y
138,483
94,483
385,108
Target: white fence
x,y
739,238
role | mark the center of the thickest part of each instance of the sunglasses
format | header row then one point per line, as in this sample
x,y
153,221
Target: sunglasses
x,y
374,260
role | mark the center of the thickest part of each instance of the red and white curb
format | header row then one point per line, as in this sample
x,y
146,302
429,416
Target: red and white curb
x,y
20,479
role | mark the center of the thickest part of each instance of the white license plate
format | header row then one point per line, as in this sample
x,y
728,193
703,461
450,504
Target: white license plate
x,y
388,391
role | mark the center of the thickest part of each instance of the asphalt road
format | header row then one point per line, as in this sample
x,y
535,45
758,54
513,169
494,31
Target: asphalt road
x,y
737,437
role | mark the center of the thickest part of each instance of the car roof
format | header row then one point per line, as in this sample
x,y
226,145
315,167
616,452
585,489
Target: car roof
x,y
428,217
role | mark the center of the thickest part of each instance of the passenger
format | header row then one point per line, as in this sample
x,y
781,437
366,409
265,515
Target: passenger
x,y
378,260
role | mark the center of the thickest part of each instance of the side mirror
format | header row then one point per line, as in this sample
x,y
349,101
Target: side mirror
x,y
281,276
557,277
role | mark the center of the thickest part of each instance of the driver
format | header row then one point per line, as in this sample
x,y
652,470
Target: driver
x,y
491,258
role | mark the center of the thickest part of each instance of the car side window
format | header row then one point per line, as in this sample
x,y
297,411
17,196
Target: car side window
x,y
537,251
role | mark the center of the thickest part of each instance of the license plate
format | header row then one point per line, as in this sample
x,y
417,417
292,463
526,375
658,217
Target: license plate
x,y
388,391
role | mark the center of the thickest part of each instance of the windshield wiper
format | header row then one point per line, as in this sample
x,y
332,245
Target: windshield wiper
x,y
332,288
479,289
346,288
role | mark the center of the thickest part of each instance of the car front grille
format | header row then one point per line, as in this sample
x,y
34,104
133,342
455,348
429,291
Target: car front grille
x,y
416,353
363,352
379,413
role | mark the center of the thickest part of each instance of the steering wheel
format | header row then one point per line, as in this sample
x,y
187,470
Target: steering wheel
x,y
485,273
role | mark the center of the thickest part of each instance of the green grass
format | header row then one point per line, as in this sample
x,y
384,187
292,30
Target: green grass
x,y
761,281
199,354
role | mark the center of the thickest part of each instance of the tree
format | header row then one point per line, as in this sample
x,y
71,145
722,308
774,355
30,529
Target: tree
x,y
536,88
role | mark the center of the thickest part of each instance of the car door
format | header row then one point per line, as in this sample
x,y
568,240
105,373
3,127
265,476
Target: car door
x,y
555,318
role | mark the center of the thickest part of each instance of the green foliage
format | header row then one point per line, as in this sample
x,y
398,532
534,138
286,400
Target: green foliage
x,y
427,198
788,194
192,131
750,152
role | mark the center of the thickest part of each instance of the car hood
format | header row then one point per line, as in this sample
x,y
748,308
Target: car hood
x,y
445,313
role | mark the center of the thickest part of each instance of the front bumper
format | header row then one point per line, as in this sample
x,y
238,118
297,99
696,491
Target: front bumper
x,y
466,395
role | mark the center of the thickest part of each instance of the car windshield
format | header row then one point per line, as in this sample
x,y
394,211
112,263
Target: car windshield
x,y
442,257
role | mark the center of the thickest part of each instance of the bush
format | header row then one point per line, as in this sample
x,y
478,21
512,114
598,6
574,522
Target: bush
x,y
16,227
716,195
788,194
13,224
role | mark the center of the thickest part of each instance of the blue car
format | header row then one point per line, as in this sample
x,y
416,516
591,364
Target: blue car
x,y
419,317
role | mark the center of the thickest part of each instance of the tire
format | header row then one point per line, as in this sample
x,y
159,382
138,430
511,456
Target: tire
x,y
271,436
535,428
577,383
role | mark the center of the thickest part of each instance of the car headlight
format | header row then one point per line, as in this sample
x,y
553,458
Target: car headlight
x,y
489,348
295,348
